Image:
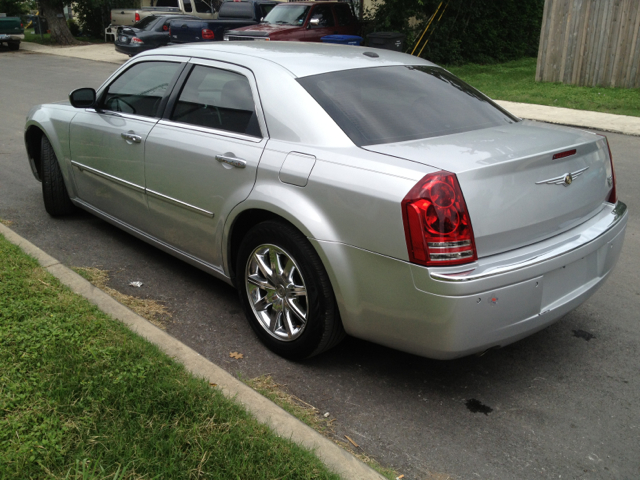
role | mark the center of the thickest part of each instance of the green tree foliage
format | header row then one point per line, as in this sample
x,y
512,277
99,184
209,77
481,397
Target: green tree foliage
x,y
14,8
477,31
95,15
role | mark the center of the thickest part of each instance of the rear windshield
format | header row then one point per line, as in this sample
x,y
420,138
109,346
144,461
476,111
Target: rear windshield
x,y
146,22
400,103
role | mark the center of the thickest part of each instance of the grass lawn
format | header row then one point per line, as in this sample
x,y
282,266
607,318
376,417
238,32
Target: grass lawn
x,y
45,39
81,397
515,81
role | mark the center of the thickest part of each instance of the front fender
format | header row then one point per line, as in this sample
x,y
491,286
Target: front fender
x,y
52,120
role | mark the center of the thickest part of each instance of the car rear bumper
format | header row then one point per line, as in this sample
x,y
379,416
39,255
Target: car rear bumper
x,y
452,312
11,37
133,49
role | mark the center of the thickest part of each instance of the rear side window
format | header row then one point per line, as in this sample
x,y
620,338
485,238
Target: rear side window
x,y
400,103
167,3
140,89
218,99
343,14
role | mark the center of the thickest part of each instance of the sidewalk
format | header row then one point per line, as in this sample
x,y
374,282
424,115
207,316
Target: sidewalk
x,y
627,125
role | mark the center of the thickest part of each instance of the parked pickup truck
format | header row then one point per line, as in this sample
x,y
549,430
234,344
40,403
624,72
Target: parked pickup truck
x,y
233,14
302,22
129,16
11,32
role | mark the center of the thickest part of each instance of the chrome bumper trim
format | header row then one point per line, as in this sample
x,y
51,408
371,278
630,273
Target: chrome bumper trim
x,y
180,203
107,176
618,214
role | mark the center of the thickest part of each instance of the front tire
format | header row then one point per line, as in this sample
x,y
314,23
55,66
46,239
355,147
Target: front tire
x,y
286,293
54,191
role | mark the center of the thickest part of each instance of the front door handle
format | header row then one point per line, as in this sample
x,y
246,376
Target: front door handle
x,y
131,137
233,161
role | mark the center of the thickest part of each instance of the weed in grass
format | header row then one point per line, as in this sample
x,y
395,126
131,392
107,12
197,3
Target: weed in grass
x,y
310,415
152,310
82,397
6,223
515,81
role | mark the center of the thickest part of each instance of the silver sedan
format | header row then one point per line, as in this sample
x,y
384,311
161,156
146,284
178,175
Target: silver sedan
x,y
342,190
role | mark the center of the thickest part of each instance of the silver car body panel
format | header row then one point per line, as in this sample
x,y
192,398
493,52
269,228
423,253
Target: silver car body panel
x,y
193,183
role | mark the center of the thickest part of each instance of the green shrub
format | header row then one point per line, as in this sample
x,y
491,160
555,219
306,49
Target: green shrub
x,y
73,27
477,31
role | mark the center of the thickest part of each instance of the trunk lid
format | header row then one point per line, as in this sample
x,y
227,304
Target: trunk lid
x,y
516,192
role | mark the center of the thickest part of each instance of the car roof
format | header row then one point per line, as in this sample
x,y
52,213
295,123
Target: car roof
x,y
300,58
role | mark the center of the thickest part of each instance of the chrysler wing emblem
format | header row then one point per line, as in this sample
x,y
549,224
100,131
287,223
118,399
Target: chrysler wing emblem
x,y
565,179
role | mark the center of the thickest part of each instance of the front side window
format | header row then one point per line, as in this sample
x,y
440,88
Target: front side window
x,y
323,15
399,103
287,15
140,89
218,99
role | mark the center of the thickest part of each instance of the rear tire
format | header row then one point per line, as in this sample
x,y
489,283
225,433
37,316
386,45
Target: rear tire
x,y
286,293
54,191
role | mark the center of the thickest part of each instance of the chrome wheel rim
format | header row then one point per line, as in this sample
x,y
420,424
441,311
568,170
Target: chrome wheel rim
x,y
277,292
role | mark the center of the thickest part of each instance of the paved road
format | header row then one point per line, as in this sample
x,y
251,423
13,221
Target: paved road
x,y
561,406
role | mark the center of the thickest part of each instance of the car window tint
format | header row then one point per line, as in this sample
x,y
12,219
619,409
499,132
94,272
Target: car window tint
x,y
399,103
167,3
203,7
145,22
219,99
187,5
324,16
265,9
140,89
343,13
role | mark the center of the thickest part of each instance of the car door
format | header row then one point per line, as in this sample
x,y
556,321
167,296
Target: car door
x,y
321,23
108,142
201,159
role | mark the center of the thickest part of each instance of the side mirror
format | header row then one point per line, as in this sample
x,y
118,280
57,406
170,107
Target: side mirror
x,y
83,98
314,22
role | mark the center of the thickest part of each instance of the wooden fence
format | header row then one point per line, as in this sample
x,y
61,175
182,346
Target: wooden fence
x,y
590,42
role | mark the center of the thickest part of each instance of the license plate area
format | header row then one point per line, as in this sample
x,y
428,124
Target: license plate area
x,y
567,279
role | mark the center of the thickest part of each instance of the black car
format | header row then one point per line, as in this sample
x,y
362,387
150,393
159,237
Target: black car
x,y
150,32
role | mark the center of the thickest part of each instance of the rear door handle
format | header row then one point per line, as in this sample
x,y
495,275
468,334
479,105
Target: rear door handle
x,y
131,137
233,161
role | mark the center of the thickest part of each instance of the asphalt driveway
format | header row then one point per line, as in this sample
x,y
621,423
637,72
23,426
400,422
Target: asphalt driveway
x,y
561,404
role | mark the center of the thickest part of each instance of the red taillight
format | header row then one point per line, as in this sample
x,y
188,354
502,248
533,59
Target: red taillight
x,y
136,40
436,222
137,17
207,34
613,196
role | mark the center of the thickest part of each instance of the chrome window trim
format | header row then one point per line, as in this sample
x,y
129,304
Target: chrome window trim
x,y
618,213
128,116
107,176
214,131
179,203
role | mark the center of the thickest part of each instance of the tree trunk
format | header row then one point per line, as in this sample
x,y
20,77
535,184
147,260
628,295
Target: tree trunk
x,y
58,27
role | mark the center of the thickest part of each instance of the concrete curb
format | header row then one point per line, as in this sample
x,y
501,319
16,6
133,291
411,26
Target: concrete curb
x,y
576,118
282,423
